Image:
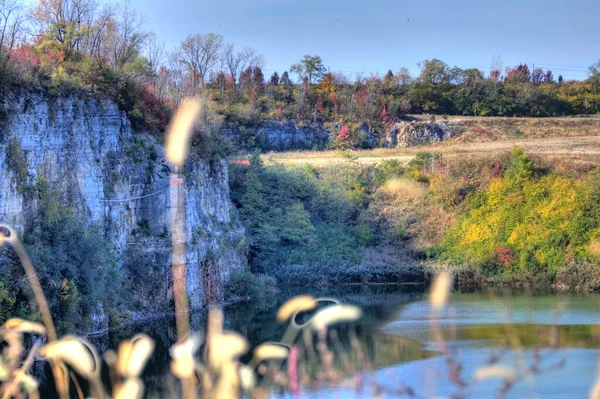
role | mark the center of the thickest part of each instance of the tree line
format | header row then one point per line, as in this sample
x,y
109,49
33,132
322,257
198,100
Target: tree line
x,y
74,44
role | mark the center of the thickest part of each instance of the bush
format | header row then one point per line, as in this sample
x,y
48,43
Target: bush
x,y
248,285
525,221
299,215
388,169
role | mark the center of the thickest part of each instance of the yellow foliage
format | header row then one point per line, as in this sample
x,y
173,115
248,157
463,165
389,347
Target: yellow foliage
x,y
496,192
477,233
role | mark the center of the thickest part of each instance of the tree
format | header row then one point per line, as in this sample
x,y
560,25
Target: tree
x,y
518,74
154,52
404,77
124,39
310,67
285,79
435,72
236,62
199,53
64,21
258,78
594,74
274,81
389,78
496,68
11,21
537,76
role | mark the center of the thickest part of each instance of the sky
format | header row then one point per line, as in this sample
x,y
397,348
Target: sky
x,y
364,36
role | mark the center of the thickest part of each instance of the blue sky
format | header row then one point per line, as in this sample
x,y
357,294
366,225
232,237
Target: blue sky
x,y
354,36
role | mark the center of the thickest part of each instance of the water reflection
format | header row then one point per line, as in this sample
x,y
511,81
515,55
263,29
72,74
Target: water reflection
x,y
255,320
392,343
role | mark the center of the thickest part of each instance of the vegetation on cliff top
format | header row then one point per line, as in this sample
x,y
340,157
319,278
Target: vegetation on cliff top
x,y
104,48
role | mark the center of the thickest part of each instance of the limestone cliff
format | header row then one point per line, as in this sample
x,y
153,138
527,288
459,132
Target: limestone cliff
x,y
86,148
278,136
408,134
291,135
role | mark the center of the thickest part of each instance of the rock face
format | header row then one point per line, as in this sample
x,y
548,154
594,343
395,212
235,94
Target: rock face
x,y
287,136
85,147
408,134
279,136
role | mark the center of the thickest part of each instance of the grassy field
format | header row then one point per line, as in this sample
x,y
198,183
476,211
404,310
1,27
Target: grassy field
x,y
575,138
584,149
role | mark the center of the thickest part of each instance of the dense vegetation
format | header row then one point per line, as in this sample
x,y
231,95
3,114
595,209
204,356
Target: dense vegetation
x,y
496,219
314,223
102,48
530,219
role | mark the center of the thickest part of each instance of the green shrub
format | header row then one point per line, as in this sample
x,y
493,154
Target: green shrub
x,y
17,163
248,285
388,169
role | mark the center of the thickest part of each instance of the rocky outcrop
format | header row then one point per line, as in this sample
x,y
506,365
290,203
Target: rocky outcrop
x,y
408,134
289,136
279,136
285,136
119,180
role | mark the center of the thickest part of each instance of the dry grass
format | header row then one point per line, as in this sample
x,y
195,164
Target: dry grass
x,y
569,137
405,188
583,149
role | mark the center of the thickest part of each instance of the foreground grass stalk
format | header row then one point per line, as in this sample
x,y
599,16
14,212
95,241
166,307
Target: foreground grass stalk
x,y
177,150
179,268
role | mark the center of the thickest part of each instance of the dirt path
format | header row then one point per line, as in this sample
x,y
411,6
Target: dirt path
x,y
586,148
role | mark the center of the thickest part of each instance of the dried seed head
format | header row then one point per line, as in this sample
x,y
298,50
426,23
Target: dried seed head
x,y
7,234
495,372
247,379
270,351
440,290
22,326
75,352
224,348
133,355
180,130
183,365
132,388
335,314
302,303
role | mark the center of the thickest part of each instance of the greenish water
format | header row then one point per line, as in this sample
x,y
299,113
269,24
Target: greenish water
x,y
551,341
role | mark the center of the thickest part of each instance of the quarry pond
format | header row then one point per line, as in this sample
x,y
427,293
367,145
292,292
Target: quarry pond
x,y
547,345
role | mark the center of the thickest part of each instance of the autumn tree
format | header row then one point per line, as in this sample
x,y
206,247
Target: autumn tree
x,y
496,68
537,76
310,68
124,40
237,61
199,53
518,74
11,27
154,51
64,21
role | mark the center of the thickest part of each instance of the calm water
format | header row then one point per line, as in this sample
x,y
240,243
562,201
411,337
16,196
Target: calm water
x,y
558,336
